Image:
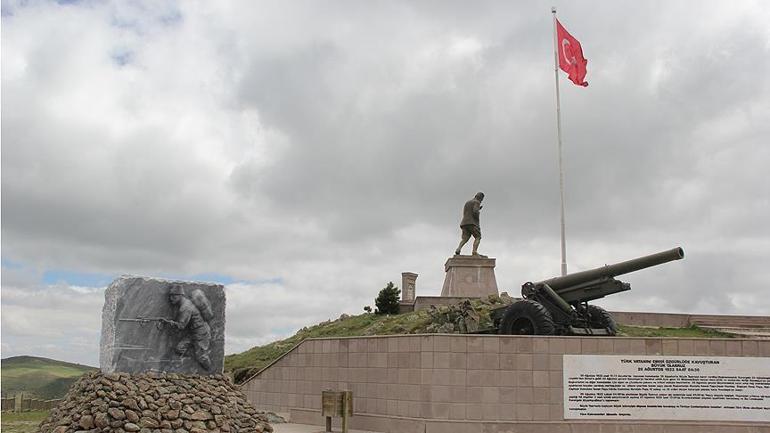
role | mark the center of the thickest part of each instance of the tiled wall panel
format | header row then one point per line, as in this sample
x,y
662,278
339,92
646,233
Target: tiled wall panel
x,y
454,377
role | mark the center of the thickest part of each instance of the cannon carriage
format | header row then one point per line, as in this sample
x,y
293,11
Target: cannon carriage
x,y
560,305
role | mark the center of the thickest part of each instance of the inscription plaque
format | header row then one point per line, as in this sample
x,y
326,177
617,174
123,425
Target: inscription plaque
x,y
666,387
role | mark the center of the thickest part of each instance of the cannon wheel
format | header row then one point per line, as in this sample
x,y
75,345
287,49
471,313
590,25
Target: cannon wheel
x,y
527,317
601,318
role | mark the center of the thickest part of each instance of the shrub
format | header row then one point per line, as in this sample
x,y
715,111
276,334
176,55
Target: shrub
x,y
387,300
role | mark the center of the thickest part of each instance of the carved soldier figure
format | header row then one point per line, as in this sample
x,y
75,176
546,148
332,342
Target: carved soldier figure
x,y
190,321
470,224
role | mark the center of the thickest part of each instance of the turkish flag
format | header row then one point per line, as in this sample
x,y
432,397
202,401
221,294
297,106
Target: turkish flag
x,y
571,58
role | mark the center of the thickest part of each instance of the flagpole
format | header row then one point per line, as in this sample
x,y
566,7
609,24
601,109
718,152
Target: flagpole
x,y
558,129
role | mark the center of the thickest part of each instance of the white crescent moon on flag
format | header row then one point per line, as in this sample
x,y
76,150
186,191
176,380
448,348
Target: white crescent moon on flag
x,y
564,44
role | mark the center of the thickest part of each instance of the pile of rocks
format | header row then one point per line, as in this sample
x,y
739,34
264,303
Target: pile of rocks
x,y
452,319
464,317
154,403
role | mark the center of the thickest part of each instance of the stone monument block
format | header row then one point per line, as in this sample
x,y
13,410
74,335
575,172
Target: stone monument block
x,y
150,324
408,285
469,276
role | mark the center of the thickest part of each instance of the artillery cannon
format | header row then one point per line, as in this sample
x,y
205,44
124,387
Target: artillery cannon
x,y
559,306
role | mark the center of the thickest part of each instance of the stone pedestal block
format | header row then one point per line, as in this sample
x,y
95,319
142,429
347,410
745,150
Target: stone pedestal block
x,y
469,276
150,324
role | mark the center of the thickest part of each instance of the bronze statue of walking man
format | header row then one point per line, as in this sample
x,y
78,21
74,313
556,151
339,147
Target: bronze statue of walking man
x,y
470,224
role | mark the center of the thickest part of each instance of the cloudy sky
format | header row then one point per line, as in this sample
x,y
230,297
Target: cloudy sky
x,y
305,153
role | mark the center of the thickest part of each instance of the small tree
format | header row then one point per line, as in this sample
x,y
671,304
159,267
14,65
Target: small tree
x,y
387,300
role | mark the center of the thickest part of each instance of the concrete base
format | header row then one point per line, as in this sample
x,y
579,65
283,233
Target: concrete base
x,y
291,427
469,276
397,424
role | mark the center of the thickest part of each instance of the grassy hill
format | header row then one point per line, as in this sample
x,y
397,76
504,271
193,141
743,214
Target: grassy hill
x,y
244,365
40,377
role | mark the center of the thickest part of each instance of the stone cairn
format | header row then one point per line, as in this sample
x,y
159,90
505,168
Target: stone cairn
x,y
154,403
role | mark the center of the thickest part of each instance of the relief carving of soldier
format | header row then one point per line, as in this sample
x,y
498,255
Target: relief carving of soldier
x,y
191,317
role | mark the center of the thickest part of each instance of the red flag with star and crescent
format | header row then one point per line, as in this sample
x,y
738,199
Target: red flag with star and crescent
x,y
571,58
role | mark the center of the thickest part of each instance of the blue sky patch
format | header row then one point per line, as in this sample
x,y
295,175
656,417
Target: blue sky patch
x,y
213,277
172,18
10,264
101,279
285,330
85,279
122,57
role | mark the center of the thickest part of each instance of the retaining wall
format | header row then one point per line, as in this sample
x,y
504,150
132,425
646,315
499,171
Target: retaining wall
x,y
466,383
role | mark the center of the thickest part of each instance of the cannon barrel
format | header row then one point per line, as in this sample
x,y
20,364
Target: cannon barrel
x,y
609,271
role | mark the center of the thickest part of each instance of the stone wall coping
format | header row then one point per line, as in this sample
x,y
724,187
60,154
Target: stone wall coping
x,y
521,423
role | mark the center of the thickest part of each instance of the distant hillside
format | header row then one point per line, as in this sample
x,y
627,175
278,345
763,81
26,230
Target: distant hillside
x,y
40,377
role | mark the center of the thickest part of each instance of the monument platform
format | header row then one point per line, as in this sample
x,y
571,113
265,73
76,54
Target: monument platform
x,y
469,276
440,383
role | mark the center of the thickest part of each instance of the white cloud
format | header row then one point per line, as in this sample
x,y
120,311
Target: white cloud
x,y
329,147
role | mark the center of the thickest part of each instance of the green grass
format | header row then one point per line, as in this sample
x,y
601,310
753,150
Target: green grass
x,y
39,377
690,332
22,422
249,362
54,370
245,364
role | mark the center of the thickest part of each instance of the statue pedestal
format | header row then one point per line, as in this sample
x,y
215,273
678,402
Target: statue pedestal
x,y
469,276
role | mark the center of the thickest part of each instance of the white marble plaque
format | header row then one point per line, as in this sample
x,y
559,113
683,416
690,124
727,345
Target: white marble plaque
x,y
666,388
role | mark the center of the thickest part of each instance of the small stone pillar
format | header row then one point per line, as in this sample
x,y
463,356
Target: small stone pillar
x,y
408,286
469,276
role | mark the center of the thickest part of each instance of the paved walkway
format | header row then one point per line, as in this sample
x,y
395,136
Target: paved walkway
x,y
304,428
